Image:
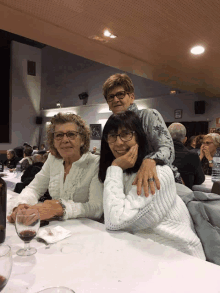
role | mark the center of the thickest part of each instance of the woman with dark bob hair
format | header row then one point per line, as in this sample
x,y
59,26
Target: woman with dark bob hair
x,y
70,174
162,217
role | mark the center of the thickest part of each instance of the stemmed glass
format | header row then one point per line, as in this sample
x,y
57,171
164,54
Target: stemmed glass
x,y
5,265
27,224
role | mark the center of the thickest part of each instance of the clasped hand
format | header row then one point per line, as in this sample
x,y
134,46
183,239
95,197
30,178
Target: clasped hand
x,y
47,210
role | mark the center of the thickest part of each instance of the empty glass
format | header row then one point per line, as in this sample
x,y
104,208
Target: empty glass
x,y
5,265
27,224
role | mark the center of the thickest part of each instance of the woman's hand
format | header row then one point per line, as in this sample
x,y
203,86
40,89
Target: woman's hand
x,y
49,209
128,160
207,153
202,154
147,171
12,217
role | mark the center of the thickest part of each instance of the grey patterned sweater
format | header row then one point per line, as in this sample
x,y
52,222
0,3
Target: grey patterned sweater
x,y
160,142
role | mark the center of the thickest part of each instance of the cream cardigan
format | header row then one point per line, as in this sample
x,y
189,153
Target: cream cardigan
x,y
81,193
162,217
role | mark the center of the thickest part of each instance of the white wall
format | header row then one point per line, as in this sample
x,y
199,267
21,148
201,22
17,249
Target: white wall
x,y
99,113
25,96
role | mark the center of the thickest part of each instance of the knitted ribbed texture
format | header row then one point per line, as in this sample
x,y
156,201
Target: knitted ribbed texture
x,y
81,193
162,217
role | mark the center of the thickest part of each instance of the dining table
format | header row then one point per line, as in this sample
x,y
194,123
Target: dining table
x,y
94,260
11,178
206,186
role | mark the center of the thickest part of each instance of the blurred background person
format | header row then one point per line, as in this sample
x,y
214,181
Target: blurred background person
x,y
188,163
208,148
35,150
27,160
12,159
191,143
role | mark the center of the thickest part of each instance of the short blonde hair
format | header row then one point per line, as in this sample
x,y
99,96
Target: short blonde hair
x,y
118,79
215,137
61,118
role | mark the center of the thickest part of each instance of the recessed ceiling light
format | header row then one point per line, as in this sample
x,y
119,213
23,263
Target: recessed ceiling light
x,y
197,50
107,33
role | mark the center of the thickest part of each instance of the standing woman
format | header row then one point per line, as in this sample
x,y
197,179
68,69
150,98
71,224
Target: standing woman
x,y
118,91
162,217
70,174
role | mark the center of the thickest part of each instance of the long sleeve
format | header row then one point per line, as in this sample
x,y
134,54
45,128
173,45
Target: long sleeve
x,y
123,210
158,136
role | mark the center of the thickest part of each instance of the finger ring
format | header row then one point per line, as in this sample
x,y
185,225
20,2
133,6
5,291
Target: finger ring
x,y
151,179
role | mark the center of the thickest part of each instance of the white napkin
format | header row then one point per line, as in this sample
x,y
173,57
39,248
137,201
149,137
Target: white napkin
x,y
52,235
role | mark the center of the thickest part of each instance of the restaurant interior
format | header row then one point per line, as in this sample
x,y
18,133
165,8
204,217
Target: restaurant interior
x,y
55,56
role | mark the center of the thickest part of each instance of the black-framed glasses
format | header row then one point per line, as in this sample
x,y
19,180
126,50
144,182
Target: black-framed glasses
x,y
119,95
124,136
70,135
207,142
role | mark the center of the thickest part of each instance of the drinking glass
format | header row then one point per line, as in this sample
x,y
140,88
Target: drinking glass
x,y
5,265
27,224
57,290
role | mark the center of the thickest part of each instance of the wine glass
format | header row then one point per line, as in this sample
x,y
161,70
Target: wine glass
x,y
57,290
27,224
5,265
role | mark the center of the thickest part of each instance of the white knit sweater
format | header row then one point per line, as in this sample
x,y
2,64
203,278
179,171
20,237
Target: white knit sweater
x,y
81,193
162,217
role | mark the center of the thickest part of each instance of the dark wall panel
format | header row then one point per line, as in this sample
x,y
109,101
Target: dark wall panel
x,y
5,93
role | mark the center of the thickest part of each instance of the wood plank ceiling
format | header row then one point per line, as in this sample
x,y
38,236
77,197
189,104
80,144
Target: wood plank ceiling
x,y
159,33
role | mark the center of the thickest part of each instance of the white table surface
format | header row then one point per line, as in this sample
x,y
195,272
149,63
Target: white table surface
x,y
206,186
95,260
11,179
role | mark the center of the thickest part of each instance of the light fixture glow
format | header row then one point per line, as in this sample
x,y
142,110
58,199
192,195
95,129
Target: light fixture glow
x,y
107,33
113,36
197,50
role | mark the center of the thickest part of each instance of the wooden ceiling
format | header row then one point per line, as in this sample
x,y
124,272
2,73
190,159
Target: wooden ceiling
x,y
154,36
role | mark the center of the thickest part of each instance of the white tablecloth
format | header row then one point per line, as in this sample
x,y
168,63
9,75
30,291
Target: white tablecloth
x,y
11,178
93,260
206,186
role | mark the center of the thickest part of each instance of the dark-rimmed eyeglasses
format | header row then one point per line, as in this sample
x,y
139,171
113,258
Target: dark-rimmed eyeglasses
x,y
207,142
70,135
124,136
119,95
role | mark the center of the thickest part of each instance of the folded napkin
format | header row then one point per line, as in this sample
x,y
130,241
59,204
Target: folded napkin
x,y
52,235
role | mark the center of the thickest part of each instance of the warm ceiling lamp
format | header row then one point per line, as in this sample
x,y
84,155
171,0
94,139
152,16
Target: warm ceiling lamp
x,y
109,35
197,50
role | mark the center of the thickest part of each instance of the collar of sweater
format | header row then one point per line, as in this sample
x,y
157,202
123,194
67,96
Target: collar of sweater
x,y
178,144
133,108
83,158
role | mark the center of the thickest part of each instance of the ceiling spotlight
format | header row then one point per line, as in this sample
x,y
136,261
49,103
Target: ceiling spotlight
x,y
58,104
197,50
107,33
172,92
113,36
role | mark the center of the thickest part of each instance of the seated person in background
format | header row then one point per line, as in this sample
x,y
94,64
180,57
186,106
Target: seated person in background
x,y
12,159
27,160
42,147
188,163
70,174
19,150
190,144
208,148
198,143
95,151
162,217
29,175
35,150
118,91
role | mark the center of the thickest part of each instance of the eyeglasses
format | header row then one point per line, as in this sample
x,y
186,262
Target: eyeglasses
x,y
118,95
207,142
124,136
70,134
